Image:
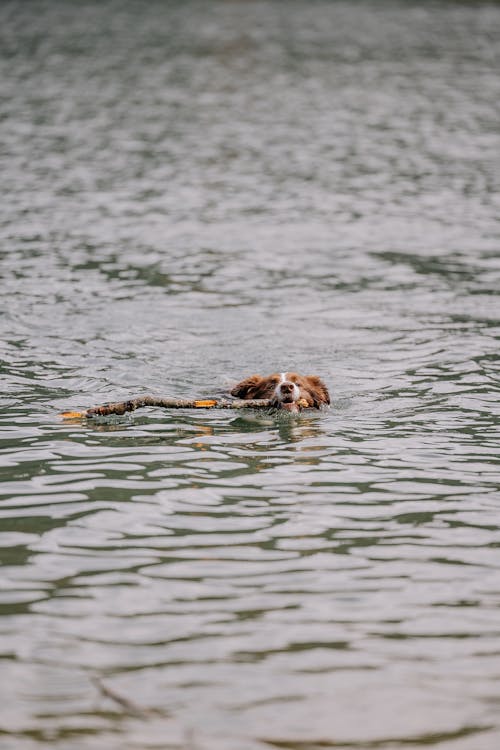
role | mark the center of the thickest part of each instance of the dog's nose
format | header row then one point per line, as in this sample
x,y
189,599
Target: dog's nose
x,y
286,387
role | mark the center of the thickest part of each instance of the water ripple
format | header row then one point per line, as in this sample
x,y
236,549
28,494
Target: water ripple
x,y
200,191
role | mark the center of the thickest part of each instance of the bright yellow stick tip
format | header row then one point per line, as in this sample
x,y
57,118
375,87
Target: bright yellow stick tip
x,y
206,402
72,414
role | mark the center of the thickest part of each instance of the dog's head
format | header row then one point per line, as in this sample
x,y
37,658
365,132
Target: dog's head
x,y
286,390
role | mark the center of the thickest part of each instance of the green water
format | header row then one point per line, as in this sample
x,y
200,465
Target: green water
x,y
193,192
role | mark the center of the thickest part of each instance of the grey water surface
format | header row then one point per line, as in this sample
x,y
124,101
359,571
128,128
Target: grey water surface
x,y
193,192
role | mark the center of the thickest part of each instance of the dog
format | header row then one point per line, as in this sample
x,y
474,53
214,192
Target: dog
x,y
285,390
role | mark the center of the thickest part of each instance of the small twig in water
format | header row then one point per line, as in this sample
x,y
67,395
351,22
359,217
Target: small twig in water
x,y
131,708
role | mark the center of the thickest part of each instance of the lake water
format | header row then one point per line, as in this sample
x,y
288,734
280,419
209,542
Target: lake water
x,y
193,192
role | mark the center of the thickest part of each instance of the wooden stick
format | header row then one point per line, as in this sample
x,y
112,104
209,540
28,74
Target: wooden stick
x,y
121,407
130,708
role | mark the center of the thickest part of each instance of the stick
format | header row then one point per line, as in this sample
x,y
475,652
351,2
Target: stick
x,y
121,407
129,706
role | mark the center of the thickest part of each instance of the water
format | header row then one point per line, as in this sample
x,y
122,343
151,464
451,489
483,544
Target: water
x,y
194,192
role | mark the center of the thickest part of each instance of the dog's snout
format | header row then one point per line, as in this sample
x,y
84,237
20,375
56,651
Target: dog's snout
x,y
286,387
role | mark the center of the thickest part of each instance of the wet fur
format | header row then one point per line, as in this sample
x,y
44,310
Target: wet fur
x,y
285,390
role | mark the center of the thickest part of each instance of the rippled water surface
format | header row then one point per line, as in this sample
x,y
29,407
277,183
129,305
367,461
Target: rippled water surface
x,y
193,192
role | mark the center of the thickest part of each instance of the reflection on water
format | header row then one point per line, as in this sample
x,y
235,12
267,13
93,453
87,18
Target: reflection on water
x,y
198,191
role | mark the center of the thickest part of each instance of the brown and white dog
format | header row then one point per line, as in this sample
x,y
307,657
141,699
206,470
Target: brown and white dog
x,y
286,390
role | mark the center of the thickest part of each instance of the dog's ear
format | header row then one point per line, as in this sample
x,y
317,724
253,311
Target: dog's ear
x,y
247,387
318,390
